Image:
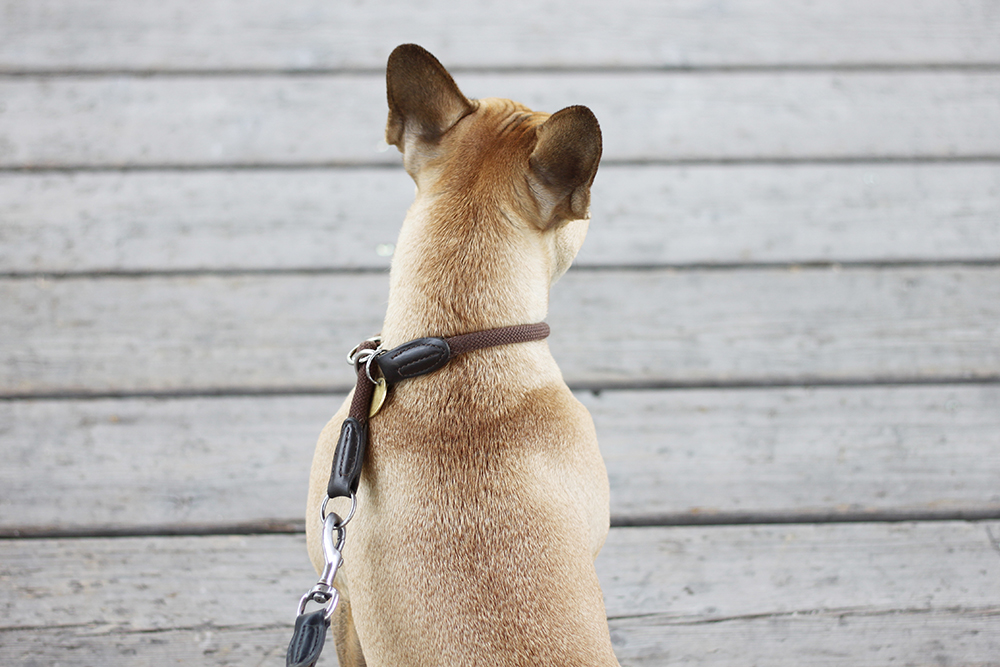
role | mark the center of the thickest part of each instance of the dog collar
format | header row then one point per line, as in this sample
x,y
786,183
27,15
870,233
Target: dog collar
x,y
426,355
409,360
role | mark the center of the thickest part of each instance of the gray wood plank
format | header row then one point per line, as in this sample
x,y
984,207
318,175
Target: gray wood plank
x,y
132,327
610,328
228,220
207,645
718,573
642,215
912,637
673,595
846,576
776,326
833,451
68,34
154,583
147,464
314,119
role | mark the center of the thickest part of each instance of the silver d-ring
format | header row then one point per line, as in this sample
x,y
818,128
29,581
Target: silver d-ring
x,y
350,514
368,364
354,354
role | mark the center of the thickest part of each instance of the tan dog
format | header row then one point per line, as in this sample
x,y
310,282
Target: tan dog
x,y
484,500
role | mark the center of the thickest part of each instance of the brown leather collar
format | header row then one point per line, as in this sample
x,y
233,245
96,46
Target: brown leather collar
x,y
409,360
426,355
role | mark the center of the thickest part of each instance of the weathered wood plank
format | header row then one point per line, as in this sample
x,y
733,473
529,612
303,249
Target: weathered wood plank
x,y
207,333
777,325
140,330
673,595
848,578
207,645
155,583
313,119
143,464
723,572
147,463
787,452
136,221
67,34
913,637
642,215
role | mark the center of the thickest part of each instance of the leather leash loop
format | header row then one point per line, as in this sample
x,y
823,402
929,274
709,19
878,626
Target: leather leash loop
x,y
307,639
409,360
347,459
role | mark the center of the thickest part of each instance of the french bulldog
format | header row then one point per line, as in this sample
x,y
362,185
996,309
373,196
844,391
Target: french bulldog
x,y
483,499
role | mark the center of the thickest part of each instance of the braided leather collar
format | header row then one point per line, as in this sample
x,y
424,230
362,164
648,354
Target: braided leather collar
x,y
409,360
425,355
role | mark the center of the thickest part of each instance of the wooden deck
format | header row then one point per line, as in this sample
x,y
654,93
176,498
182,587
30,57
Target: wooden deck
x,y
786,319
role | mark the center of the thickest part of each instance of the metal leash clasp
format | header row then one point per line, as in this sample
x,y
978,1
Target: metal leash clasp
x,y
324,592
311,629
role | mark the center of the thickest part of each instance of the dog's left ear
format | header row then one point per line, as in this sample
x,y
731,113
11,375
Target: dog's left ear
x,y
424,101
563,165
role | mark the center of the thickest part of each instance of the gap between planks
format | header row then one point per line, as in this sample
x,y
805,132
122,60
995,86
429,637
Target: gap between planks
x,y
576,268
595,389
348,71
706,520
349,164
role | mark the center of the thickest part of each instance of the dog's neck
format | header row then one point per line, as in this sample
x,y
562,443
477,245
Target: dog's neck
x,y
454,273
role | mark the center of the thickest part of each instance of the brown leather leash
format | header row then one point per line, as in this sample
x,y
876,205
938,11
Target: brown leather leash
x,y
409,360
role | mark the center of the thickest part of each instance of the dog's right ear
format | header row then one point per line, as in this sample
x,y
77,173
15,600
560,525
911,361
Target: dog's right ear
x,y
424,101
563,165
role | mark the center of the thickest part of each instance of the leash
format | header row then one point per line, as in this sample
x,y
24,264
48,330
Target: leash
x,y
409,360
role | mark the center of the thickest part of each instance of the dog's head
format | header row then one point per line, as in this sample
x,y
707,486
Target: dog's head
x,y
532,169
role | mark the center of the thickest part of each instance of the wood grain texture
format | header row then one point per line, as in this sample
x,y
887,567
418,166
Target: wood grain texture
x,y
148,332
317,120
674,596
249,333
834,451
776,326
154,583
641,215
913,637
147,464
713,574
306,34
208,645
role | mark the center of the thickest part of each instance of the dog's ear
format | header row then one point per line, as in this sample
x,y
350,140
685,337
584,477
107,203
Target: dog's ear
x,y
424,101
563,164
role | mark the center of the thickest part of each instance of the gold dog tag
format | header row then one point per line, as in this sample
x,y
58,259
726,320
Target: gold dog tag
x,y
378,398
